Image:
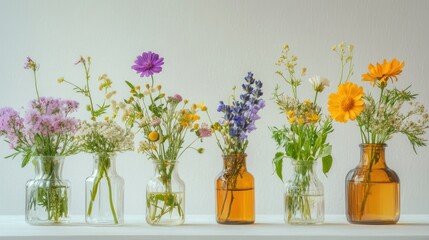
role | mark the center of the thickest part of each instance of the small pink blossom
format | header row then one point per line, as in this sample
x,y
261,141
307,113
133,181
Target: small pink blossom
x,y
204,131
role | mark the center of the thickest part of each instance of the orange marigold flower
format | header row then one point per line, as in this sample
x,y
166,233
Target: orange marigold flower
x,y
153,136
383,72
346,103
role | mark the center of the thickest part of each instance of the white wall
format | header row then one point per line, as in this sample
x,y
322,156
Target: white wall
x,y
208,47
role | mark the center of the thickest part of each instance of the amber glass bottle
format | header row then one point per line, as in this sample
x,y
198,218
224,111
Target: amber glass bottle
x,y
235,195
372,189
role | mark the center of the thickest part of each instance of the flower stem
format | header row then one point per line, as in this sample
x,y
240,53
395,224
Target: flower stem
x,y
35,84
112,207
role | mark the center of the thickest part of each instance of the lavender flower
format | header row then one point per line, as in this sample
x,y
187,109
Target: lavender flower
x,y
148,64
239,118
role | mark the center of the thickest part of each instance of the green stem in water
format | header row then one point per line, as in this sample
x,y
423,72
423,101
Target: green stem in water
x,y
102,170
112,207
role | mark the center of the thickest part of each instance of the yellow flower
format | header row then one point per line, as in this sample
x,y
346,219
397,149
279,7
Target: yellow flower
x,y
153,136
201,105
195,117
196,126
301,121
290,113
106,118
187,117
313,118
292,119
204,108
346,103
383,72
137,88
60,80
184,124
307,102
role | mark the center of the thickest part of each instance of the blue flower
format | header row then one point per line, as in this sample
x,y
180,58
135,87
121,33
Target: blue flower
x,y
241,115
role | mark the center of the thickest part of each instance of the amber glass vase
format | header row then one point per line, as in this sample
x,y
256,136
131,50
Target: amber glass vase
x,y
235,194
372,189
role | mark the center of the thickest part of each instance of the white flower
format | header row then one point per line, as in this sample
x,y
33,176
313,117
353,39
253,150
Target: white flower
x,y
319,83
104,137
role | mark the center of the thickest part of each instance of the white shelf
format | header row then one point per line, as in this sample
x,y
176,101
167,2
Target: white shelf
x,y
205,227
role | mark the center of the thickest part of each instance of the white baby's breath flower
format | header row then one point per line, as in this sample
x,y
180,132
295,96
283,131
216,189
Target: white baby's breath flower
x,y
319,83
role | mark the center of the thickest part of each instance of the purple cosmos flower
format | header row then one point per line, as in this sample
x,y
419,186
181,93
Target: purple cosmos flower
x,y
148,64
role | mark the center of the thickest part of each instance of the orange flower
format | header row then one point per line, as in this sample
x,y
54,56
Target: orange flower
x,y
347,103
383,72
153,136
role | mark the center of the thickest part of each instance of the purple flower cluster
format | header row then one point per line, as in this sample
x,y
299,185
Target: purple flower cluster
x,y
10,125
49,116
44,117
242,114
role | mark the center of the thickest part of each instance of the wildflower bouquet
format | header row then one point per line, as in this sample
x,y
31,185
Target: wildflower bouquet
x,y
304,140
235,186
45,133
165,122
379,118
102,138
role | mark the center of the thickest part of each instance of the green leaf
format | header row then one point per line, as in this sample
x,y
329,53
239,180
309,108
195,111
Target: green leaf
x,y
26,159
326,164
130,84
278,164
326,151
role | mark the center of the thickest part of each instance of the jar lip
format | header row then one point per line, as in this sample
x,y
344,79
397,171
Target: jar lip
x,y
168,162
234,155
49,156
296,162
367,145
108,153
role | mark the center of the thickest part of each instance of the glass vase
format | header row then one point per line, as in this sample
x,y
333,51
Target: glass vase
x,y
165,195
372,189
104,192
48,194
235,195
304,195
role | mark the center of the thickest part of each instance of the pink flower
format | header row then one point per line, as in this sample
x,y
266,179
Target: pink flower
x,y
155,122
176,98
204,131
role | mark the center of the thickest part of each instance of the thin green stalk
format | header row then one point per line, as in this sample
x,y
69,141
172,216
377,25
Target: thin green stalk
x,y
35,84
112,207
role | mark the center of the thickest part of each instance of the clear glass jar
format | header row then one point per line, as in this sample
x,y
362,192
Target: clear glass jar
x,y
104,192
48,194
235,192
372,189
304,196
165,195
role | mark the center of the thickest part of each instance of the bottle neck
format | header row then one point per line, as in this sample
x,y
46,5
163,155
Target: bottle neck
x,y
372,156
233,162
105,163
304,167
49,167
166,168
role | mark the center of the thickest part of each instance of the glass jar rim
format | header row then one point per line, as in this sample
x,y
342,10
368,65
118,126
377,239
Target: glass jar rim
x,y
368,145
